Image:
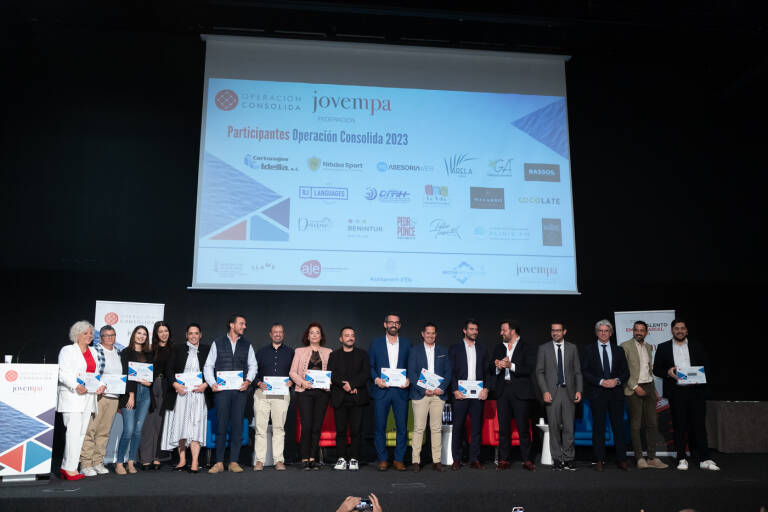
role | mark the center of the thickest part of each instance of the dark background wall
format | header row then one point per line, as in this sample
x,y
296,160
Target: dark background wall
x,y
100,137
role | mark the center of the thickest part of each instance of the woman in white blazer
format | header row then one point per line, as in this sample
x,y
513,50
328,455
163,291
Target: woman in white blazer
x,y
74,402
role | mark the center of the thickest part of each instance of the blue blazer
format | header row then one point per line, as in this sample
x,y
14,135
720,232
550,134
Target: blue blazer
x,y
380,359
418,360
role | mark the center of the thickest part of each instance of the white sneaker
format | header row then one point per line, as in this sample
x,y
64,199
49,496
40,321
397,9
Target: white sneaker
x,y
100,469
88,471
353,465
682,465
341,464
709,464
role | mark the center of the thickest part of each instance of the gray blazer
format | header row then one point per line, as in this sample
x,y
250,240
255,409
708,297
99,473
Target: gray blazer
x,y
546,369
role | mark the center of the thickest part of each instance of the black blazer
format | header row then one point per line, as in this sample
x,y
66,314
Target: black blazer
x,y
592,371
131,386
176,364
665,359
458,356
356,373
524,358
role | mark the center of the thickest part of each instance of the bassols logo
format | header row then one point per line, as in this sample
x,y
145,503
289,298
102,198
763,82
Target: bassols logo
x,y
541,172
311,268
226,99
11,375
371,105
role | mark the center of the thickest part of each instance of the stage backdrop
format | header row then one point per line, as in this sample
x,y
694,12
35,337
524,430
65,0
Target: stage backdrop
x,y
124,317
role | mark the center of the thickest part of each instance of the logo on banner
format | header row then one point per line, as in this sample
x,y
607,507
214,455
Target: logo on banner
x,y
457,165
484,198
462,272
406,228
311,268
441,229
370,105
11,375
226,99
541,172
328,193
404,167
360,228
539,200
500,167
387,196
436,195
536,270
551,232
111,318
315,225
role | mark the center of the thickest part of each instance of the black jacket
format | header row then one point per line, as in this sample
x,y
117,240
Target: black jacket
x,y
356,371
665,359
592,370
176,365
524,358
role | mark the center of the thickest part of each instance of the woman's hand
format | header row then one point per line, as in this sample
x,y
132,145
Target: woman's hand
x,y
81,389
130,403
202,387
181,390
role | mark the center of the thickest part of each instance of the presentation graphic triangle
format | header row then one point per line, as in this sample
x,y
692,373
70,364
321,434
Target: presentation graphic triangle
x,y
48,416
17,427
548,125
36,454
280,213
263,230
46,438
13,458
236,232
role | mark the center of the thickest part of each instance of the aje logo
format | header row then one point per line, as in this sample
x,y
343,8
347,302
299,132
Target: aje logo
x,y
311,269
457,165
542,172
484,198
226,99
371,105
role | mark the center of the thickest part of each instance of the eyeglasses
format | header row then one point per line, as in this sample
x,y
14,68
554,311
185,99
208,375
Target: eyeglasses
x,y
392,323
108,336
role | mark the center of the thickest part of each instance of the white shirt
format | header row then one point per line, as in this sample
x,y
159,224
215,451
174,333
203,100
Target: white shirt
x,y
392,351
562,350
112,364
645,372
681,354
430,350
210,363
510,351
471,360
607,346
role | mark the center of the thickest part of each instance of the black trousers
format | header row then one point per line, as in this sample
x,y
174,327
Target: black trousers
x,y
312,405
689,411
230,411
602,403
510,407
352,413
461,408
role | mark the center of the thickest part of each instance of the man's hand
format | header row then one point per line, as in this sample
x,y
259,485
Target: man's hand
x,y
547,397
609,383
349,504
437,391
263,386
215,388
577,398
672,372
504,363
101,389
483,394
346,387
375,502
640,391
458,395
429,392
380,382
407,383
244,385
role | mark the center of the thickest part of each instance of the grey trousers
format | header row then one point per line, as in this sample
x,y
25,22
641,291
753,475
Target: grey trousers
x,y
560,416
149,449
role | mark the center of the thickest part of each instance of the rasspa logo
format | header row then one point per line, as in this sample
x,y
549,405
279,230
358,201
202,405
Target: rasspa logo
x,y
457,165
11,375
371,105
226,99
311,268
542,172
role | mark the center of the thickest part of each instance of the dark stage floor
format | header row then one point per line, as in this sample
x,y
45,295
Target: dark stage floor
x,y
742,484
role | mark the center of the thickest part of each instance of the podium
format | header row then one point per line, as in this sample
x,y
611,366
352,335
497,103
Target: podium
x,y
28,410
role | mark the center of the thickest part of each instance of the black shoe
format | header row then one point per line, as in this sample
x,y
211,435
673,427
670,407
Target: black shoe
x,y
179,468
315,466
568,466
307,465
145,467
156,467
557,466
193,471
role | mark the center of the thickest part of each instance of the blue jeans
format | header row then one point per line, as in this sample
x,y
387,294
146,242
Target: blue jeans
x,y
133,421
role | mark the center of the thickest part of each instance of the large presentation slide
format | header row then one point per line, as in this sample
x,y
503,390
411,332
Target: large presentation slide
x,y
316,185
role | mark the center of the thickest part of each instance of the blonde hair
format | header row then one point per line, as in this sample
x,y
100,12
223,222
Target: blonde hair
x,y
79,328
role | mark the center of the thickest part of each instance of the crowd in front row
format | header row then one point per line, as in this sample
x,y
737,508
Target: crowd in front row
x,y
166,414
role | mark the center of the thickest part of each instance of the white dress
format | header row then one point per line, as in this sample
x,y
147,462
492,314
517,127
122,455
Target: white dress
x,y
189,417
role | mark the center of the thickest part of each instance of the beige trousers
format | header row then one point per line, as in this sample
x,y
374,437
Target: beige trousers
x,y
433,406
97,435
264,406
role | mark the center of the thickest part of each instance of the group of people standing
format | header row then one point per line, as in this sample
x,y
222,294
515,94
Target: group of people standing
x,y
164,414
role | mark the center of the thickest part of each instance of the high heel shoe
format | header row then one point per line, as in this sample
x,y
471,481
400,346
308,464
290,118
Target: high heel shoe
x,y
67,476
180,468
194,471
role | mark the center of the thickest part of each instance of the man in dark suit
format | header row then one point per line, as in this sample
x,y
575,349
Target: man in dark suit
x,y
558,373
515,362
687,403
469,360
428,402
604,368
390,351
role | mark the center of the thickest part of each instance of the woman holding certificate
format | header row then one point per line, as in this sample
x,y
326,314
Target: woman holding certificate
x,y
309,372
187,402
162,348
76,393
137,400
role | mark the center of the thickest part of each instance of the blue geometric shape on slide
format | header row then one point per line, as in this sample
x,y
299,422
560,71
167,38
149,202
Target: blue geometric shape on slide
x,y
228,195
46,439
17,427
280,213
548,125
35,455
263,230
48,416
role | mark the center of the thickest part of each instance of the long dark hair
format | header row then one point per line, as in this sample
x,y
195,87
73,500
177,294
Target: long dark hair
x,y
156,339
132,342
305,337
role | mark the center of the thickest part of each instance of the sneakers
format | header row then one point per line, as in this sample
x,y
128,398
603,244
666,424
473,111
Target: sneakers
x,y
709,464
353,465
88,471
341,464
259,466
656,463
100,469
682,465
642,463
280,466
557,466
567,466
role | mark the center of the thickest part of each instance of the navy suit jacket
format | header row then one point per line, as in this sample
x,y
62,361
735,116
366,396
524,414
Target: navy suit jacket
x,y
592,371
418,360
379,358
458,357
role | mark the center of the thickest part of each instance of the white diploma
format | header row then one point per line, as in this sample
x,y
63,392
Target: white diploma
x,y
429,380
691,375
394,377
115,383
471,388
229,380
320,379
140,371
90,381
277,385
189,380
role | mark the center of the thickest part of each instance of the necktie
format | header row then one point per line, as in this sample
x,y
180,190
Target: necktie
x,y
560,374
606,364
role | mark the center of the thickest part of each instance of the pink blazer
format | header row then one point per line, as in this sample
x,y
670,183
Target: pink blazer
x,y
301,362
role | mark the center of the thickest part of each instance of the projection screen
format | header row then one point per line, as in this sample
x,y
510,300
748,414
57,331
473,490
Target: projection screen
x,y
364,167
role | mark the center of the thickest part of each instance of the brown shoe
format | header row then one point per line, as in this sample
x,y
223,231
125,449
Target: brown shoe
x,y
503,464
642,463
399,465
383,465
455,466
438,467
280,466
217,468
415,467
529,466
259,466
655,462
234,467
599,467
623,465
475,464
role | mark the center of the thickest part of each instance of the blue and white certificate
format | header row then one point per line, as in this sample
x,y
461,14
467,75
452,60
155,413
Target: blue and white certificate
x,y
229,380
189,380
429,380
320,379
115,383
471,388
140,371
394,377
687,376
90,381
277,385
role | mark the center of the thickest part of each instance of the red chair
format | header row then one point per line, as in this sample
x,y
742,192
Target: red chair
x,y
490,433
327,431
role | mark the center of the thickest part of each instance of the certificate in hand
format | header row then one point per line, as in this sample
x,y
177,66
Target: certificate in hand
x,y
691,375
115,383
140,371
471,388
189,380
429,380
394,377
277,385
229,380
320,379
90,381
